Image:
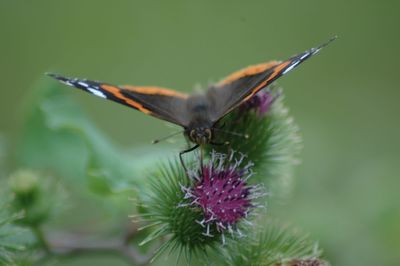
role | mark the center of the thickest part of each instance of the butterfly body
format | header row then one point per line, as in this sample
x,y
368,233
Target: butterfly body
x,y
200,128
197,114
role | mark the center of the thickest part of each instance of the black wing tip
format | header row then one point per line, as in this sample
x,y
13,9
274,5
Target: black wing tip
x,y
54,75
328,42
317,49
297,59
50,74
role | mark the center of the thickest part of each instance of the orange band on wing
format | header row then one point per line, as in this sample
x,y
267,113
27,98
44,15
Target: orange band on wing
x,y
117,93
248,71
277,70
156,90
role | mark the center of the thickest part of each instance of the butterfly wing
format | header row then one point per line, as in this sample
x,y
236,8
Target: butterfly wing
x,y
162,103
244,84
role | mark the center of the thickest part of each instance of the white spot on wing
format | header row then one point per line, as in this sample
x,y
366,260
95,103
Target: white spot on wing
x,y
304,56
291,67
97,93
83,84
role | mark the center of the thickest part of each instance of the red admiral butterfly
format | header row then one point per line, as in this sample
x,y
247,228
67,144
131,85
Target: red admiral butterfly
x,y
197,114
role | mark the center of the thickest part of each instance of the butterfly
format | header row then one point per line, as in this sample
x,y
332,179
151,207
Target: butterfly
x,y
197,114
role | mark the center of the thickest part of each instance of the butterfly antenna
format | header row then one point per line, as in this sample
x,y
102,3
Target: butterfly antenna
x,y
166,137
246,136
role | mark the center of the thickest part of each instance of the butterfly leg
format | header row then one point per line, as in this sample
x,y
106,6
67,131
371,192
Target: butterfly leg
x,y
186,151
201,159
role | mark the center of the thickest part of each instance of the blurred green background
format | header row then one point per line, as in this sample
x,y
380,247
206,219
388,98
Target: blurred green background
x,y
345,99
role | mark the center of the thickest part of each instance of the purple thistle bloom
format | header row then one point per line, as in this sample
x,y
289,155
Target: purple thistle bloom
x,y
261,102
222,192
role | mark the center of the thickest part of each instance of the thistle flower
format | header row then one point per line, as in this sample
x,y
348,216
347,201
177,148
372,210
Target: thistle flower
x,y
194,213
221,191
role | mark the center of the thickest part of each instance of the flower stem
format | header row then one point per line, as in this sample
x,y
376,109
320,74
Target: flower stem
x,y
40,237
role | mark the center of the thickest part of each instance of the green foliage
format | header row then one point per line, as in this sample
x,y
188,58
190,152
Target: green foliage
x,y
58,136
172,219
2,155
270,245
273,143
13,239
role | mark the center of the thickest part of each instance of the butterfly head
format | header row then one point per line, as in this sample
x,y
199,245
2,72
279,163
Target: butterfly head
x,y
200,135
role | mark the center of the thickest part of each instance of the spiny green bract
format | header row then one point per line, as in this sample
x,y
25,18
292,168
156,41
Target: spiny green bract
x,y
11,242
272,245
273,143
178,224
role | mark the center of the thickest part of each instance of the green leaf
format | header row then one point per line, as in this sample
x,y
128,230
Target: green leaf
x,y
58,136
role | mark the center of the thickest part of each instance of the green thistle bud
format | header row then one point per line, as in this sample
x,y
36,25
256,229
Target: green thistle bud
x,y
32,195
25,185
